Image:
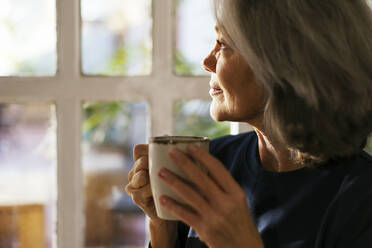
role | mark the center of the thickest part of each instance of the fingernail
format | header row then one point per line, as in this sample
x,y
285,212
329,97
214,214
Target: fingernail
x,y
174,152
163,174
163,200
192,148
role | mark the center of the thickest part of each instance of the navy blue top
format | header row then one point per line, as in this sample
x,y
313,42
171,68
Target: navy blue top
x,y
326,207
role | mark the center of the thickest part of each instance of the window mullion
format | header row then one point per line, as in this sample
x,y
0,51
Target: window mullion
x,y
70,200
162,38
68,39
160,100
161,110
70,196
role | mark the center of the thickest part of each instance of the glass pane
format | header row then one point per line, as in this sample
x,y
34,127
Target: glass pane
x,y
28,38
110,131
28,188
191,117
116,38
194,36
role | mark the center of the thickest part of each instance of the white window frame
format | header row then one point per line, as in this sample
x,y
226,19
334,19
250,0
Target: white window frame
x,y
68,89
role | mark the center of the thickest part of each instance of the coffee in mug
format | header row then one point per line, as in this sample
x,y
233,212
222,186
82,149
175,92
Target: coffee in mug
x,y
158,159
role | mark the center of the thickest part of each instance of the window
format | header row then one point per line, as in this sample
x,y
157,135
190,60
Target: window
x,y
103,78
194,36
116,37
110,131
86,92
22,51
28,175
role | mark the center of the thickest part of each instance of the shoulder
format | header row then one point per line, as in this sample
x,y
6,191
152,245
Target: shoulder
x,y
232,142
357,180
349,216
232,148
358,176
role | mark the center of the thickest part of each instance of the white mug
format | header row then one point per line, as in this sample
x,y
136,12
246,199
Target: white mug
x,y
158,159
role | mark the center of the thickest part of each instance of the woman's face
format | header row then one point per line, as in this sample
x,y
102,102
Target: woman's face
x,y
235,94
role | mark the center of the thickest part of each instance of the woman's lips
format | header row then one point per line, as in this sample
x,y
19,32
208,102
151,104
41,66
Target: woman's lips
x,y
215,91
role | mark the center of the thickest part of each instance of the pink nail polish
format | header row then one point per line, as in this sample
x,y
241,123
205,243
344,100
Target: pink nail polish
x,y
163,200
163,174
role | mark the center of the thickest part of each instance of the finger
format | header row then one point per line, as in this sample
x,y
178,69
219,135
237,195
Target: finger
x,y
185,191
139,195
140,179
140,151
142,198
150,208
215,168
182,212
142,163
204,183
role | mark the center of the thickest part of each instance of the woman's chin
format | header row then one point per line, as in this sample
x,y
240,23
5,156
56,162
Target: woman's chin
x,y
217,114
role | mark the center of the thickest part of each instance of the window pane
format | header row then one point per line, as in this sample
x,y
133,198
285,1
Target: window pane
x,y
28,188
194,36
28,38
110,131
116,38
192,118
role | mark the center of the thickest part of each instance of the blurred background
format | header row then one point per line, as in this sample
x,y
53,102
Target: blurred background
x,y
116,40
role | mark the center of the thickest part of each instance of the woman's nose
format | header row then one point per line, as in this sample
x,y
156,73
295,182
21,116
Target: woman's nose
x,y
209,63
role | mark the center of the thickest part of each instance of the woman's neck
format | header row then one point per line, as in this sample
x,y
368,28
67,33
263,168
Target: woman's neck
x,y
274,157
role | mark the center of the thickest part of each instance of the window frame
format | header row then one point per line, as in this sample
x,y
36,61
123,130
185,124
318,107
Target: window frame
x,y
69,88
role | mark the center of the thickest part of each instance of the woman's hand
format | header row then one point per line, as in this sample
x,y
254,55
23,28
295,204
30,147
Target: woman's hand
x,y
219,212
162,232
139,182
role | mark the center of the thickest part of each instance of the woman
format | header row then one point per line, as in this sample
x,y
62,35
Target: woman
x,y
299,72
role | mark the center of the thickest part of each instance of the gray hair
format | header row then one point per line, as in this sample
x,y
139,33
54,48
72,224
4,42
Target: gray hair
x,y
314,60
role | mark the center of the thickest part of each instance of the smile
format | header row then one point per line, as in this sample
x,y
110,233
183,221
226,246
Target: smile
x,y
215,91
